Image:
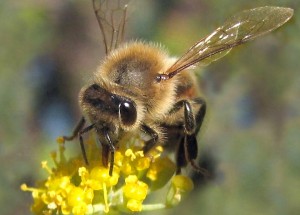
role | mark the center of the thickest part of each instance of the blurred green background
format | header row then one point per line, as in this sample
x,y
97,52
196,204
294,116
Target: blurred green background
x,y
49,49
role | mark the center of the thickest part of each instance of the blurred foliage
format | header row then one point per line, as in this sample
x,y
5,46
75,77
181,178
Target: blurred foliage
x,y
252,129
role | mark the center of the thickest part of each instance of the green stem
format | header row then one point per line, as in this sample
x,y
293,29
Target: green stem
x,y
152,207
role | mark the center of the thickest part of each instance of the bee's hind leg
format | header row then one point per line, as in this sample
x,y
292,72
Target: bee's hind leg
x,y
187,150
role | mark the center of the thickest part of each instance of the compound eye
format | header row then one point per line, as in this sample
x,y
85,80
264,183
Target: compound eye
x,y
127,113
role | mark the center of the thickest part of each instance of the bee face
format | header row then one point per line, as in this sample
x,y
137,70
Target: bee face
x,y
103,106
139,87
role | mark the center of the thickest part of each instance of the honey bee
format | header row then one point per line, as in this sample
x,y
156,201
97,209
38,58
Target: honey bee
x,y
140,88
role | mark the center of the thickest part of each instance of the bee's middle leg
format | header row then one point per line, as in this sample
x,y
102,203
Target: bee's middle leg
x,y
155,137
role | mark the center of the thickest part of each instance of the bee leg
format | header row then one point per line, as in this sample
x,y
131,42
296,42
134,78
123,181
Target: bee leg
x,y
190,140
181,161
76,130
153,140
200,114
90,127
189,120
187,150
112,150
191,152
105,154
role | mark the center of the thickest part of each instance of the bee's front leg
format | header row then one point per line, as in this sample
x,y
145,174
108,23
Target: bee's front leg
x,y
76,130
108,147
79,130
87,129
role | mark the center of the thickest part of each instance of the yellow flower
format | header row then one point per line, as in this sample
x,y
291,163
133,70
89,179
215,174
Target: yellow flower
x,y
78,200
135,192
134,162
180,187
75,188
97,177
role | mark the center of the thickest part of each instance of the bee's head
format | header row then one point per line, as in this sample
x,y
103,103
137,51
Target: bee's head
x,y
103,106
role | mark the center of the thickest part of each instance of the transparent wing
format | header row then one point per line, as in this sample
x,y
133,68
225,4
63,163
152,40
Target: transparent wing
x,y
237,30
111,17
